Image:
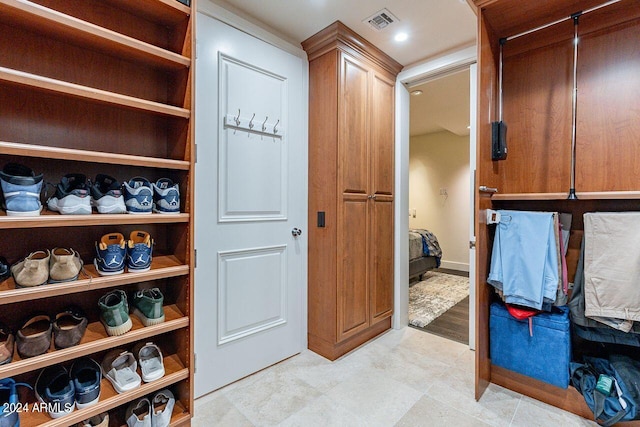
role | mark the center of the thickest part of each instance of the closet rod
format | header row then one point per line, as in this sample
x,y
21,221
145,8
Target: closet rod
x,y
542,27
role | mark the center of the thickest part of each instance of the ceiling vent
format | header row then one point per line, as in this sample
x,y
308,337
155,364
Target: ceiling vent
x,y
380,20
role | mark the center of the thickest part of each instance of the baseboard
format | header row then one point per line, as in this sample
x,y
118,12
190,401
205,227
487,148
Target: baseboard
x,y
453,265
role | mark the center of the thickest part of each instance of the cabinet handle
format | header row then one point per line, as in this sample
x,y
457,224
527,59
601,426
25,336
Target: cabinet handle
x,y
485,189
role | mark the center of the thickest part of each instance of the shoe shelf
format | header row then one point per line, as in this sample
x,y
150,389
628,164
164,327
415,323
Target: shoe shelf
x,y
169,12
54,219
595,195
175,371
162,267
96,339
87,34
45,152
47,84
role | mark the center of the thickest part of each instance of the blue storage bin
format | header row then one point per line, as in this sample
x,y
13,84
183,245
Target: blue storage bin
x,y
544,356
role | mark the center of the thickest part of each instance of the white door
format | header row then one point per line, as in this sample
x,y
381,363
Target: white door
x,y
250,290
473,97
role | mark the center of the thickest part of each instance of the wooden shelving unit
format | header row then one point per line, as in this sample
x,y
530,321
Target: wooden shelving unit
x,y
101,86
537,173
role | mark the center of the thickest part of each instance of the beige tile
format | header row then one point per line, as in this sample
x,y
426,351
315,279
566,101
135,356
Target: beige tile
x,y
323,412
216,409
466,361
533,413
378,399
271,397
433,346
429,412
321,373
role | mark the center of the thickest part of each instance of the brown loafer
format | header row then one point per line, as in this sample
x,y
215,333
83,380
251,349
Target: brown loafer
x,y
69,327
34,338
33,270
7,342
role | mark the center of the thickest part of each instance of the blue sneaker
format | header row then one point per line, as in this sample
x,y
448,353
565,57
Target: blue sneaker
x,y
71,196
55,389
9,402
21,190
86,374
138,195
140,248
111,253
166,197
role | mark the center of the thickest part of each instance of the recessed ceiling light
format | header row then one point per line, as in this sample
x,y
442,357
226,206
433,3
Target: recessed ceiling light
x,y
416,92
400,37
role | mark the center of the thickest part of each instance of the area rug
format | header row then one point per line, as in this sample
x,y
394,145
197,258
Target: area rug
x,y
435,294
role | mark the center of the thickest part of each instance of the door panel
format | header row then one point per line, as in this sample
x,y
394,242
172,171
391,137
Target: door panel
x,y
353,114
353,289
381,279
250,273
382,136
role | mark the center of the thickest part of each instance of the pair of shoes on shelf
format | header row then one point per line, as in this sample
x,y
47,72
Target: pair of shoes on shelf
x,y
151,413
113,251
67,329
114,310
21,189
100,420
76,195
141,196
9,402
63,390
120,366
41,267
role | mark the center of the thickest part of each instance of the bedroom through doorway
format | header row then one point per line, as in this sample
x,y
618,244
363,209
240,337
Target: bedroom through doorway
x,y
439,205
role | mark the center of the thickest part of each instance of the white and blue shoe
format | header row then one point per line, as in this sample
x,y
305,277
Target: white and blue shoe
x,y
111,254
106,195
139,251
166,197
71,196
21,190
138,195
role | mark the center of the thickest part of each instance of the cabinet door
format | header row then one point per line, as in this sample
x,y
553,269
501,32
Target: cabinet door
x,y
353,127
381,244
353,289
382,135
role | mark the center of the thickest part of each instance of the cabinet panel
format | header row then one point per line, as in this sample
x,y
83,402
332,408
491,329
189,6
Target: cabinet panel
x,y
381,279
382,135
353,126
607,150
353,289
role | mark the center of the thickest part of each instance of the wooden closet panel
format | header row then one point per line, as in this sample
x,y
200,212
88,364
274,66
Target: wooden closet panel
x,y
353,112
352,289
381,279
382,135
608,149
537,111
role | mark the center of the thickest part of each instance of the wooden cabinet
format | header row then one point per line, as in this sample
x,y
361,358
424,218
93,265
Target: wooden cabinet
x,y
351,181
101,86
538,85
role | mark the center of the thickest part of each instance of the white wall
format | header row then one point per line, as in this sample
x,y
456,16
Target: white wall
x,y
441,161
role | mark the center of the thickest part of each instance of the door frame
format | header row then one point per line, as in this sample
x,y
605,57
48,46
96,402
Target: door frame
x,y
431,69
270,36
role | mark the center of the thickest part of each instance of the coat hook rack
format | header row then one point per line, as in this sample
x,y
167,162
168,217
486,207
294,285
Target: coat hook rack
x,y
239,123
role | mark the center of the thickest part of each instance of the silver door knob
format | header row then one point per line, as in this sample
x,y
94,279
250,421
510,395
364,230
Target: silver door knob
x,y
296,232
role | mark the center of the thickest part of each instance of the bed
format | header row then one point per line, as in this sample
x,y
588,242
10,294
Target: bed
x,y
424,252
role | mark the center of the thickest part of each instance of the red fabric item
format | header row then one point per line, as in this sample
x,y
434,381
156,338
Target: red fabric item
x,y
521,313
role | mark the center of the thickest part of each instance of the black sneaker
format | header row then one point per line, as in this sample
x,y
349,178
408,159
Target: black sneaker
x,y
72,196
106,195
5,270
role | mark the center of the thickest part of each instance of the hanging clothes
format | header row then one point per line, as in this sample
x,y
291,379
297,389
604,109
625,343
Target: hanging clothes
x,y
524,260
612,268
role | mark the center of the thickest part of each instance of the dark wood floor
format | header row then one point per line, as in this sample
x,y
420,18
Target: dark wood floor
x,y
452,324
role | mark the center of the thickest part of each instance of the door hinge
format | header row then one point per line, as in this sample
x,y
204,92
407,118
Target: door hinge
x,y
195,152
195,363
195,258
472,244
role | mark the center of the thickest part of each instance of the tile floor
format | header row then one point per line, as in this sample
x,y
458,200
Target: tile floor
x,y
403,378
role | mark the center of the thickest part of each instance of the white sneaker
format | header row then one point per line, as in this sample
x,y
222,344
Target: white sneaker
x,y
162,408
139,413
72,196
106,195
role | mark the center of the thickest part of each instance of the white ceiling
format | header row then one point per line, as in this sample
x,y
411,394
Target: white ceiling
x,y
443,105
434,26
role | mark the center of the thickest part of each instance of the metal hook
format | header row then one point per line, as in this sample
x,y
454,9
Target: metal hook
x,y
275,127
237,119
251,121
264,125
